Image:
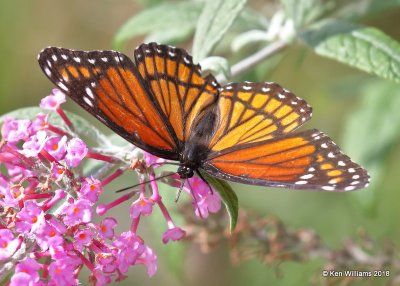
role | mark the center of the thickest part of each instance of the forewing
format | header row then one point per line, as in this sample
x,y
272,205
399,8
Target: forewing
x,y
177,84
253,112
306,160
108,85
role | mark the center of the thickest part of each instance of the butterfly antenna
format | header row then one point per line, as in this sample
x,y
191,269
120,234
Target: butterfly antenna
x,y
178,193
205,181
146,182
195,200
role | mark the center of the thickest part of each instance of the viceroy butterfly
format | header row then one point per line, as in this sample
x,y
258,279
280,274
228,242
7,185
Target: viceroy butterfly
x,y
242,132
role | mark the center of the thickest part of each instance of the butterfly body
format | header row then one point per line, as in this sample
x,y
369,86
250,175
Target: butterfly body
x,y
242,132
195,152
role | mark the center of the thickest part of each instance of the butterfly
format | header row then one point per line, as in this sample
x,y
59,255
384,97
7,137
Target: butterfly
x,y
241,132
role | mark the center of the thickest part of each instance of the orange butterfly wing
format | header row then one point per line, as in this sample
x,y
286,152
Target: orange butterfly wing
x,y
253,143
177,85
306,160
108,85
252,112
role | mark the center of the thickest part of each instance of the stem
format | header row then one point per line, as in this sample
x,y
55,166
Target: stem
x,y
255,59
110,178
101,157
65,118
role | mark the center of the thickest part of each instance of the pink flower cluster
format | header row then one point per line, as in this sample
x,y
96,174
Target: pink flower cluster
x,y
47,233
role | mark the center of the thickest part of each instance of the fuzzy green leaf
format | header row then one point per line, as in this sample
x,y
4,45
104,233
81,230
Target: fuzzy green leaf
x,y
365,48
303,12
167,16
216,65
214,21
228,197
171,35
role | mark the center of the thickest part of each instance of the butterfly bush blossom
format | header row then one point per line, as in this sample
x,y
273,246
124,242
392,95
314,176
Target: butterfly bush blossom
x,y
47,228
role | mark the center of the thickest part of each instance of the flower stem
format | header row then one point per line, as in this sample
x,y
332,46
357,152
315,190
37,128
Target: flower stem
x,y
255,59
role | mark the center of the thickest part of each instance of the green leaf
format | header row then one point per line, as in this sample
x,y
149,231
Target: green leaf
x,y
353,10
369,133
167,16
81,125
171,35
228,197
22,113
365,48
250,19
249,38
216,65
214,21
303,12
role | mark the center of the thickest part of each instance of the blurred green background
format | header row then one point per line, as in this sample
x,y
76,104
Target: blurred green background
x,y
345,101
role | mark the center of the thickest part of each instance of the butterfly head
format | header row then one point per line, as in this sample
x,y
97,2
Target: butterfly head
x,y
185,172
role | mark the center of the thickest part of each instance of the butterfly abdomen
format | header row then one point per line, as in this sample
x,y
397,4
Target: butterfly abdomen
x,y
195,151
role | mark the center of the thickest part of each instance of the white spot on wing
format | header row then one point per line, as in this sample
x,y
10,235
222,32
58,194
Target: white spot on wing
x,y
104,59
92,61
64,56
341,163
332,181
328,188
186,59
89,92
78,60
245,87
280,95
87,100
47,71
308,176
301,182
62,86
54,57
349,188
